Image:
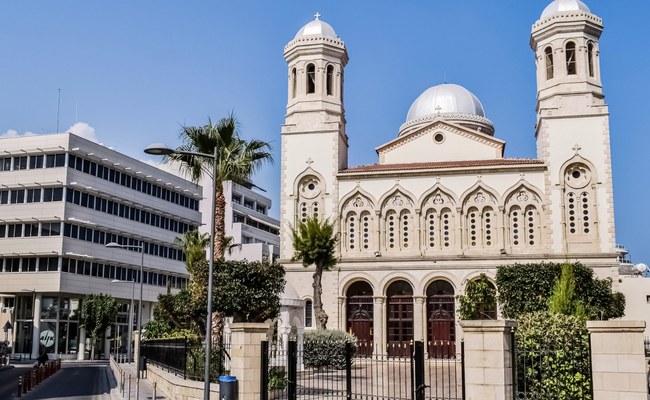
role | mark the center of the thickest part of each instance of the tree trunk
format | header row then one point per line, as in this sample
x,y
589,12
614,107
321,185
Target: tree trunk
x,y
219,223
319,313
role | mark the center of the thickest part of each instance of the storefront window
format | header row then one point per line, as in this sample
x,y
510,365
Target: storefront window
x,y
49,307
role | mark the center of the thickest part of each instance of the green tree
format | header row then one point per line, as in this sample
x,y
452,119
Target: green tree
x,y
479,300
98,312
194,246
562,300
249,291
237,160
314,242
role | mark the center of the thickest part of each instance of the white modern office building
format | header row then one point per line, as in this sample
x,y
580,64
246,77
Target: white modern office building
x,y
62,199
255,235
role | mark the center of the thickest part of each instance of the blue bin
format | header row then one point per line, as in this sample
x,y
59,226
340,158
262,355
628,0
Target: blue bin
x,y
227,387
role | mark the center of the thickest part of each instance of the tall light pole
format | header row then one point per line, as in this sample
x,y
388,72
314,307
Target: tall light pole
x,y
141,247
160,149
129,354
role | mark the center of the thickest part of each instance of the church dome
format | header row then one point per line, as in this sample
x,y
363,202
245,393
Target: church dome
x,y
316,28
445,99
564,5
450,102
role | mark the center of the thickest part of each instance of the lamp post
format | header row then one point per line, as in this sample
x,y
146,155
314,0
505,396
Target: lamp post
x,y
160,149
129,354
141,247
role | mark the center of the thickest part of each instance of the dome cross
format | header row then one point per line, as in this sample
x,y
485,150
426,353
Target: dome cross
x,y
317,15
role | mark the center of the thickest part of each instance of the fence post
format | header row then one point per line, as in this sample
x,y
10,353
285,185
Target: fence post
x,y
348,370
292,367
154,391
418,358
185,360
264,373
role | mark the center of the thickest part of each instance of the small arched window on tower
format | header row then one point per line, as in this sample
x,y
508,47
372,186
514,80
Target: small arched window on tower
x,y
311,78
548,56
330,80
590,58
571,58
294,83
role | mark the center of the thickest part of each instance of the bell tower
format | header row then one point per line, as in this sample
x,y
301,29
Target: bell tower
x,y
314,142
573,129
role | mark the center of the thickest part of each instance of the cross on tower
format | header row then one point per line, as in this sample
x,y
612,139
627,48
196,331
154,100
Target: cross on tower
x,y
309,161
576,147
438,109
317,15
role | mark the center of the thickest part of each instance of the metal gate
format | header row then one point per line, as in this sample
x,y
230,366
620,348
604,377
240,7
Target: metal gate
x,y
541,373
363,376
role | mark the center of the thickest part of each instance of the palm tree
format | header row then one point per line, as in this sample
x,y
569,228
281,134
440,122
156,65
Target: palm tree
x,y
237,160
314,242
194,245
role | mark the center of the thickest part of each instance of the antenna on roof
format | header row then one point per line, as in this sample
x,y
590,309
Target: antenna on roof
x,y
58,109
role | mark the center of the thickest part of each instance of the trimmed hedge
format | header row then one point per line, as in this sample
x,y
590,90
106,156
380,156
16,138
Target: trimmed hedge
x,y
327,348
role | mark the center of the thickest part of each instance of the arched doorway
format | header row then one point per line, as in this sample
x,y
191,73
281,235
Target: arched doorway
x,y
399,318
441,329
360,315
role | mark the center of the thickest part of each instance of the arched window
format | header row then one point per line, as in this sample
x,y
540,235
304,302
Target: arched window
x,y
590,58
309,194
524,227
330,80
357,224
294,83
548,56
311,78
481,220
309,312
571,58
579,203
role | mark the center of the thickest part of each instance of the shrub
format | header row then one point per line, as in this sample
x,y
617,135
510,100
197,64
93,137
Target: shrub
x,y
553,356
526,288
479,300
277,378
327,348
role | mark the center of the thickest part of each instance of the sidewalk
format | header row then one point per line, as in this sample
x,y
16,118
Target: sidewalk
x,y
144,389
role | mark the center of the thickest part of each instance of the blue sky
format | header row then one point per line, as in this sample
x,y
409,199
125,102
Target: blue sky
x,y
131,73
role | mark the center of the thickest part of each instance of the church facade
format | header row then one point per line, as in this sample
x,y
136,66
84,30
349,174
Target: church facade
x,y
442,205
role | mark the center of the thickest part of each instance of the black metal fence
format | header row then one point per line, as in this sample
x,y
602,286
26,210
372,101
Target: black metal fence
x,y
186,358
364,376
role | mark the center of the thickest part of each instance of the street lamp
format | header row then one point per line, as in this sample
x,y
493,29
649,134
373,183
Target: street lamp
x,y
128,344
141,247
160,149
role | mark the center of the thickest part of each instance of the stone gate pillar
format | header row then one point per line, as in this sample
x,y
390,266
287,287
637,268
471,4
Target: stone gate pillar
x,y
245,352
618,360
488,359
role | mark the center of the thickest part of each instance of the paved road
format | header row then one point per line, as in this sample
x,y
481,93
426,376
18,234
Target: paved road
x,y
75,381
9,381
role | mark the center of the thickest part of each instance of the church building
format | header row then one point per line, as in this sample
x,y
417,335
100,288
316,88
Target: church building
x,y
442,204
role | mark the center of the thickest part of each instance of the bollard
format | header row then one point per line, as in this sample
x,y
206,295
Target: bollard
x,y
129,395
154,391
20,386
137,389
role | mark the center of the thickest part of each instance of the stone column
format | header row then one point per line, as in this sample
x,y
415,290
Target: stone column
x,y
136,349
618,360
488,359
419,315
81,347
343,317
246,358
107,343
378,315
36,328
